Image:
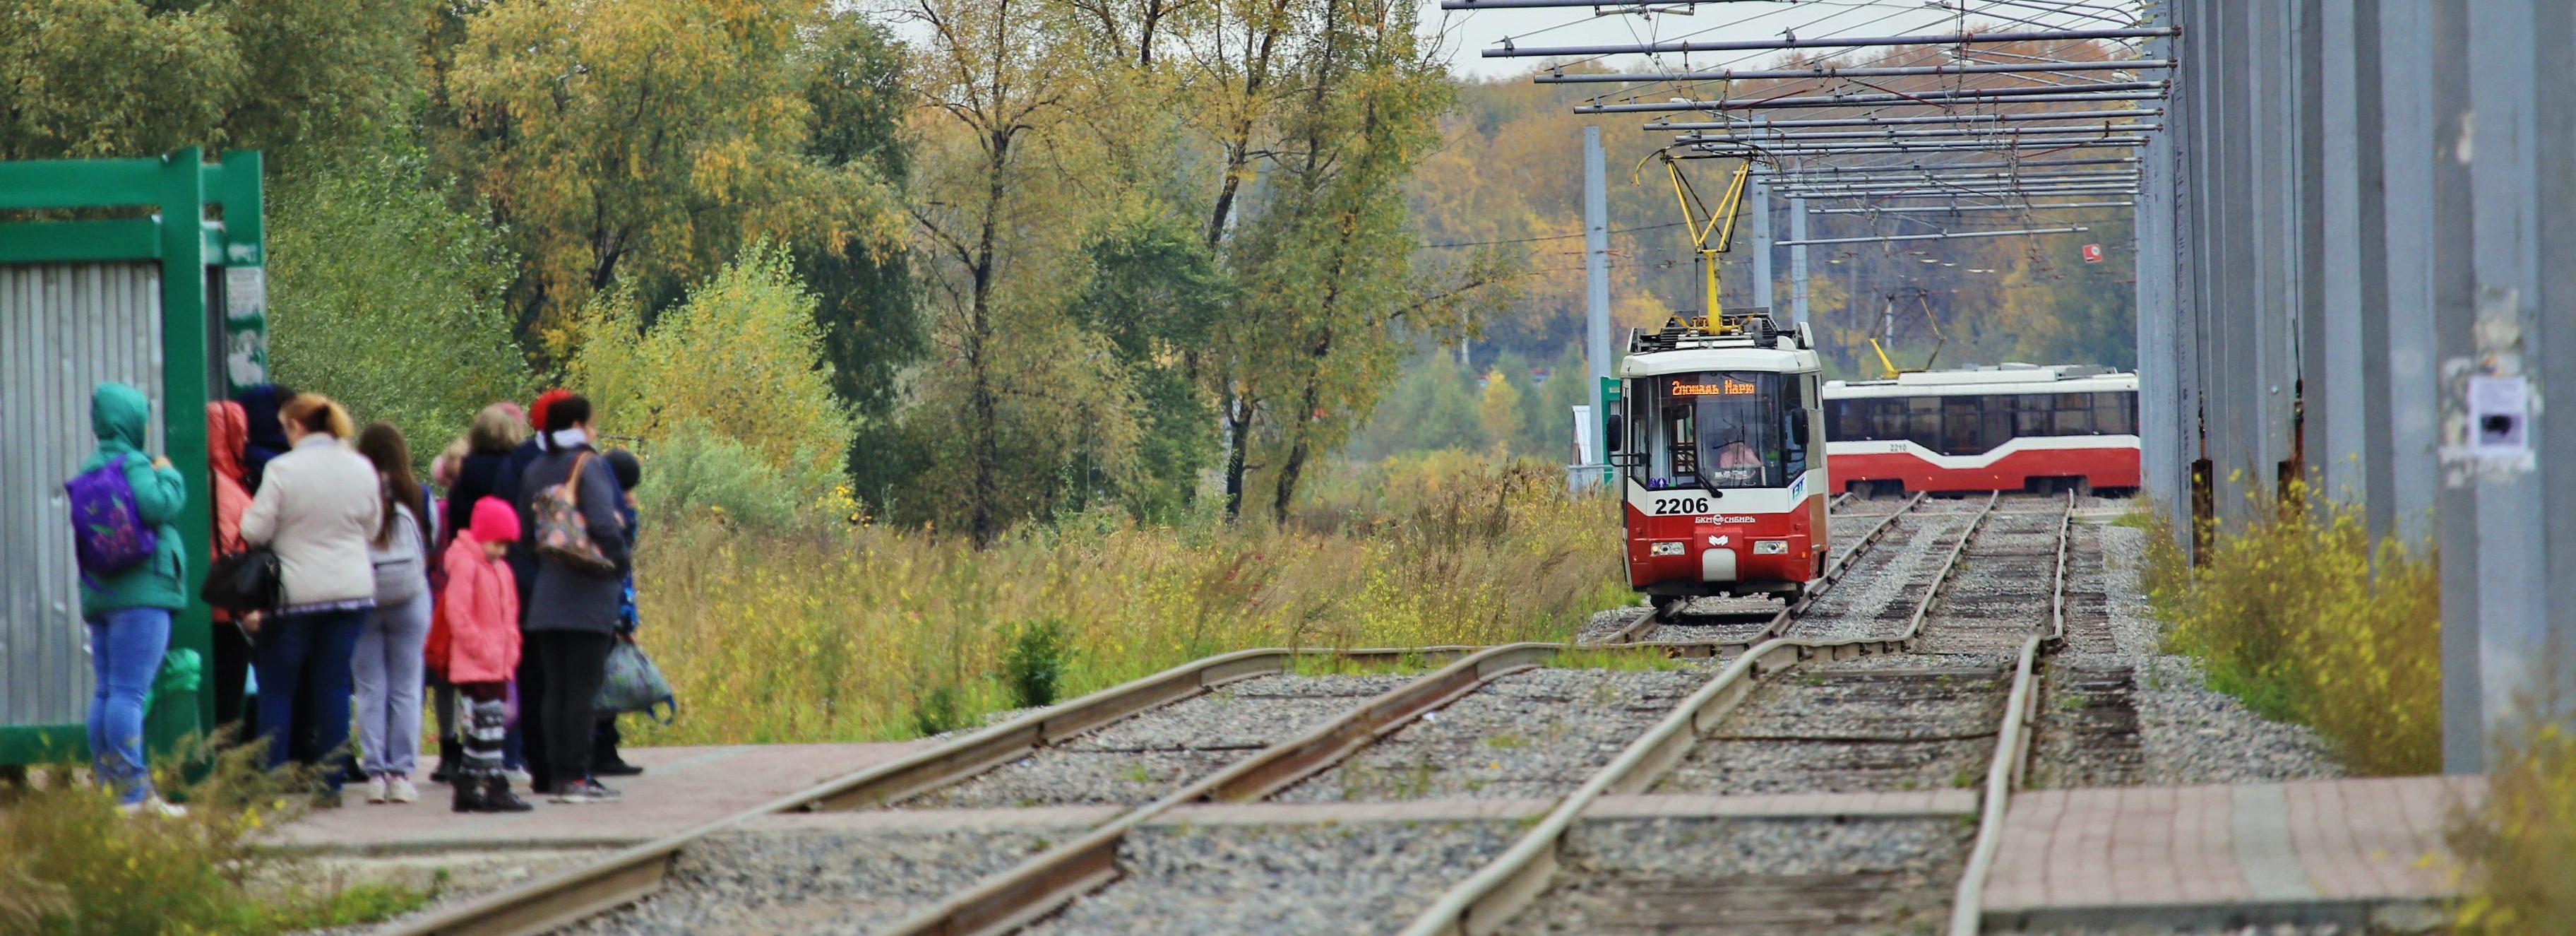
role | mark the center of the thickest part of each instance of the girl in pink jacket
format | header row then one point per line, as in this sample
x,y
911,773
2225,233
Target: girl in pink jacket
x,y
481,605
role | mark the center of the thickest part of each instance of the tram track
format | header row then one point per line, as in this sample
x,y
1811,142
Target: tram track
x,y
1743,629
1759,727
1077,816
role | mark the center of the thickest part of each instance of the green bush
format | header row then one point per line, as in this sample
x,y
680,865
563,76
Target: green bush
x,y
695,471
71,865
1036,662
2301,614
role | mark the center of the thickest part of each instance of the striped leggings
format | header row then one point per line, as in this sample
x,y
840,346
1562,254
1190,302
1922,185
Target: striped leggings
x,y
487,722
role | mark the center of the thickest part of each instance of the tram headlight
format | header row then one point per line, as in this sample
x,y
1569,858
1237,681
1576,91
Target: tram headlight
x,y
1770,547
1665,549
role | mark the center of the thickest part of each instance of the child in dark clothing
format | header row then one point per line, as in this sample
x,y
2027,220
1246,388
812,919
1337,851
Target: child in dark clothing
x,y
604,760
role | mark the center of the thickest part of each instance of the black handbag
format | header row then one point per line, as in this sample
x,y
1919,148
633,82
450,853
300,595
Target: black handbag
x,y
243,582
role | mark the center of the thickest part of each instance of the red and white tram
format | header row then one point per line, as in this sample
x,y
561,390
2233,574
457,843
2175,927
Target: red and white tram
x,y
1716,444
2018,427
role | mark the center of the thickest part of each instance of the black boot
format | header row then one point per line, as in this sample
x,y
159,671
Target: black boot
x,y
449,753
468,794
497,798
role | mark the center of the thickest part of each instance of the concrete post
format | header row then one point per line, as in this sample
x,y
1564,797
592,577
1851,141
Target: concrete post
x,y
1798,260
1762,245
1596,276
2449,245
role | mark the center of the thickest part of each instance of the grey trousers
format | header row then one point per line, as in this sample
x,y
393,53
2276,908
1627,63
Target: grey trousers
x,y
386,673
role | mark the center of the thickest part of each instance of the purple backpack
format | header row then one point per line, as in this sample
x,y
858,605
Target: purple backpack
x,y
109,533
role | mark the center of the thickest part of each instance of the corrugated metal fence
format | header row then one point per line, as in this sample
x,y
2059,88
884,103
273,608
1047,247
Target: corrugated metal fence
x,y
63,328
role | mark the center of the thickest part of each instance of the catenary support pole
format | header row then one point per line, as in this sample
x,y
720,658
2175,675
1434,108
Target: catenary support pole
x,y
1762,244
1596,278
1798,261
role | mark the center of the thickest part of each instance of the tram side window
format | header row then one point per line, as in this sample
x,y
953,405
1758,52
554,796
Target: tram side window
x,y
2115,413
1962,426
2031,413
1923,421
2074,414
1793,423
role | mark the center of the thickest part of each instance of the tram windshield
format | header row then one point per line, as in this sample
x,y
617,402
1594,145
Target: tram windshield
x,y
1717,430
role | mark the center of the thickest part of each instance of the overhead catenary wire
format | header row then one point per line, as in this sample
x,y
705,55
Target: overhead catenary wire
x,y
1826,42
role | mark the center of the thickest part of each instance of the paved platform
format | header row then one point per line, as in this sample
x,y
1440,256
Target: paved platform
x,y
681,787
2326,851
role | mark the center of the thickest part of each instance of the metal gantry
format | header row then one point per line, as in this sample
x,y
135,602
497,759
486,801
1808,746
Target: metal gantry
x,y
2352,226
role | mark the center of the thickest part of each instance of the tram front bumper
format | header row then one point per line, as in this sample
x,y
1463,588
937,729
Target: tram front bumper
x,y
1717,564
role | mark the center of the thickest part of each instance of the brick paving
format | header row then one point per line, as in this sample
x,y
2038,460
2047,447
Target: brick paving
x,y
2300,849
681,788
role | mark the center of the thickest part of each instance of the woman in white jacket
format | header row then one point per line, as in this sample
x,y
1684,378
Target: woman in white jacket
x,y
318,506
386,669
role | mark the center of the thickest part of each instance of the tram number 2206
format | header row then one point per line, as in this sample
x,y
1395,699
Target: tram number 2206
x,y
1667,506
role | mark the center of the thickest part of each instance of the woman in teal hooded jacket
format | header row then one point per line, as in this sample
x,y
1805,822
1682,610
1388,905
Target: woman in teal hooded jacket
x,y
129,612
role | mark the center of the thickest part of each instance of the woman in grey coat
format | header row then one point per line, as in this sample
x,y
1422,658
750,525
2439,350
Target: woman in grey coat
x,y
386,667
572,612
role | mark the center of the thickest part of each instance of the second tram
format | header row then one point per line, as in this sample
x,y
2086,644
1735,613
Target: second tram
x,y
2018,427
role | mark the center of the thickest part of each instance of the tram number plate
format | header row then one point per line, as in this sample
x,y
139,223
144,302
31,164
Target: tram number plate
x,y
1668,506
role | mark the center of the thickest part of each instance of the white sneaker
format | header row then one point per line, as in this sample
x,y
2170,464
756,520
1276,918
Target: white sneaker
x,y
376,789
155,806
399,790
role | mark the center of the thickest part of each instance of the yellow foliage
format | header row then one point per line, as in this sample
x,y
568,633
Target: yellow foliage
x,y
741,357
1500,409
2520,842
2304,617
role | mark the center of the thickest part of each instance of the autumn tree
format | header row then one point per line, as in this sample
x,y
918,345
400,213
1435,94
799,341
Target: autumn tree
x,y
648,140
385,298
92,78
740,357
1017,393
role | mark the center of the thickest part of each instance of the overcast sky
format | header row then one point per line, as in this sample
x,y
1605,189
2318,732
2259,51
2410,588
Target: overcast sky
x,y
1470,32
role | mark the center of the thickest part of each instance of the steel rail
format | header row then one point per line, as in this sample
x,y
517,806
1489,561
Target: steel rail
x,y
1488,899
1635,633
2012,748
549,902
1057,876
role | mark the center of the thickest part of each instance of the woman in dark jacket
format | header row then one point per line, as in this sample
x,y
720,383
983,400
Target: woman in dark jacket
x,y
572,613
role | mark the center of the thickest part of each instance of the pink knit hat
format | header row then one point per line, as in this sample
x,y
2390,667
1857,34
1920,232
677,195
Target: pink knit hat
x,y
494,521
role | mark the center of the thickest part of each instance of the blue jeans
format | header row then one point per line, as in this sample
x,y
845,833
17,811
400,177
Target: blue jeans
x,y
306,655
125,648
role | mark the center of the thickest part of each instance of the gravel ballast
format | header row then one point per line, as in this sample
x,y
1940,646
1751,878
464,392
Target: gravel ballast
x,y
1355,878
1876,597
1537,733
2192,734
817,881
1875,724
1134,760
1752,876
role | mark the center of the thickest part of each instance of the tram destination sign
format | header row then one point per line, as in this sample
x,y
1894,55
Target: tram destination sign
x,y
1725,386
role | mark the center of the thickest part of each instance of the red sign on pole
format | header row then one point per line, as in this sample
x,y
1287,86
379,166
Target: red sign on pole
x,y
2092,253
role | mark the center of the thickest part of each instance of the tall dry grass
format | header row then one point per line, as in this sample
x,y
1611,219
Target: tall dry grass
x,y
2518,844
2301,614
869,633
